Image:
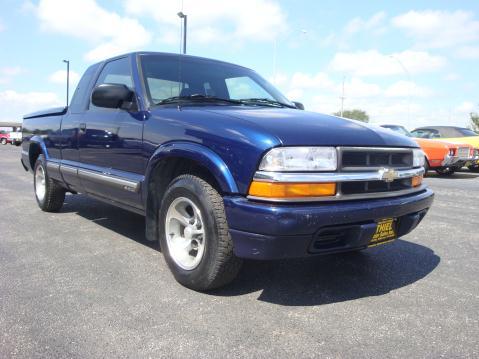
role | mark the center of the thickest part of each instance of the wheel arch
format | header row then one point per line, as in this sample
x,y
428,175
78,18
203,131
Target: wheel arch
x,y
35,149
173,159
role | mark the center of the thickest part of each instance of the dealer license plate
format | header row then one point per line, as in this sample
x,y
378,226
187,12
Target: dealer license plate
x,y
385,232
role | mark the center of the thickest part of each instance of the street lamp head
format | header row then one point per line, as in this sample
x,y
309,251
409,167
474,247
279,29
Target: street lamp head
x,y
66,61
181,15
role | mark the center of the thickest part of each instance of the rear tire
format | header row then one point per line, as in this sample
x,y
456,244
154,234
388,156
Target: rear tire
x,y
3,141
448,171
49,194
194,236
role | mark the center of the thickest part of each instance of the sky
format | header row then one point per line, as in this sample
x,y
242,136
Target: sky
x,y
405,62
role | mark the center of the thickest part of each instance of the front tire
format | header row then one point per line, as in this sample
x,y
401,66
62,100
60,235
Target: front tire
x,y
427,167
447,171
3,141
49,194
194,236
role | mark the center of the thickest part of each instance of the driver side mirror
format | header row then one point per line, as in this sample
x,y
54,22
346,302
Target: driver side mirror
x,y
112,96
298,105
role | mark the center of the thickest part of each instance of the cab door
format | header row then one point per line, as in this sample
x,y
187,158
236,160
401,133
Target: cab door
x,y
110,143
70,127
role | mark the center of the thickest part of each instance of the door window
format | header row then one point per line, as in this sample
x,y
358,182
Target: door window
x,y
115,72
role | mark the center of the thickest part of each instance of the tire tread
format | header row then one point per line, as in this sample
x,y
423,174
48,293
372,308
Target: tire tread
x,y
227,265
54,194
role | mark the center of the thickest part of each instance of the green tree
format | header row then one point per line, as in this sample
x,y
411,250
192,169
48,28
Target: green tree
x,y
474,121
356,114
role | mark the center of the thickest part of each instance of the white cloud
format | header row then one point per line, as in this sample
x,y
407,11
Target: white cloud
x,y
358,24
110,33
357,88
2,26
301,83
466,107
16,104
402,102
212,20
439,29
60,77
375,25
374,63
452,76
11,70
279,79
407,89
8,72
295,94
319,81
468,52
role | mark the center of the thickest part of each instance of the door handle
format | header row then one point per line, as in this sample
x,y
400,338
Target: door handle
x,y
82,127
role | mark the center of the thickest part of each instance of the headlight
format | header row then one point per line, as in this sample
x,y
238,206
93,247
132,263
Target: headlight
x,y
300,159
417,158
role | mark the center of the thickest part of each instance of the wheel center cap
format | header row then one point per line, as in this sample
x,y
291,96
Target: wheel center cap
x,y
188,232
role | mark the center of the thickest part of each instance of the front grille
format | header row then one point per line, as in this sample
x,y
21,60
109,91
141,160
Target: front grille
x,y
463,152
348,188
364,159
355,159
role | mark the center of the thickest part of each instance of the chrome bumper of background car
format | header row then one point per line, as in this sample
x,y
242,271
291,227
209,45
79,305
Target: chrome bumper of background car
x,y
454,160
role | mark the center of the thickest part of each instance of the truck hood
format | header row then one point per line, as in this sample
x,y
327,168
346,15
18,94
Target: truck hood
x,y
295,128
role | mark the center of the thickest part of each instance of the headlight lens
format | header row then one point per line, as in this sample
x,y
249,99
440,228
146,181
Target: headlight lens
x,y
417,158
300,159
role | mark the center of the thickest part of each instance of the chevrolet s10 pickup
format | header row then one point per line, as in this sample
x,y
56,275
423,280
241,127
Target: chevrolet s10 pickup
x,y
222,165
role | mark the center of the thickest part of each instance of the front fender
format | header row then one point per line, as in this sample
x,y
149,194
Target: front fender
x,y
198,153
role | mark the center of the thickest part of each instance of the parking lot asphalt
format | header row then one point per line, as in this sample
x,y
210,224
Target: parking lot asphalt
x,y
83,283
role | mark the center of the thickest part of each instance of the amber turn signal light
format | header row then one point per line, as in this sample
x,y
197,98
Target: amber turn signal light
x,y
291,190
416,181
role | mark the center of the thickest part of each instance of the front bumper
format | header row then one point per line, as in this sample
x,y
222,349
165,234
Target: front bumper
x,y
456,161
272,231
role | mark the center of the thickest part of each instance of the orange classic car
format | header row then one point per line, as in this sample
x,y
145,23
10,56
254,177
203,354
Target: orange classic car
x,y
452,134
443,157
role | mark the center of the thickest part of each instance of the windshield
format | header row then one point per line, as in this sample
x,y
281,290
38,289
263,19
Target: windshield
x,y
173,78
399,129
467,132
425,134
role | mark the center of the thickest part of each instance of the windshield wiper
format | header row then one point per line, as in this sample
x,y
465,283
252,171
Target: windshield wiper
x,y
265,101
197,98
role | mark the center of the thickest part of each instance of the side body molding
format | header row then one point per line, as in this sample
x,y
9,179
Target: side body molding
x,y
196,152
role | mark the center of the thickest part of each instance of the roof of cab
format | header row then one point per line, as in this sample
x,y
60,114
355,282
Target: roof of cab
x,y
139,53
436,127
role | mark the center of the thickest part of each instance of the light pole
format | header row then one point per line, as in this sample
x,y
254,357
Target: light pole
x,y
184,17
409,85
68,78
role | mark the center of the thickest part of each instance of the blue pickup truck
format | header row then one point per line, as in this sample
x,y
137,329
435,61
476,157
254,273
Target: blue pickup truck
x,y
222,165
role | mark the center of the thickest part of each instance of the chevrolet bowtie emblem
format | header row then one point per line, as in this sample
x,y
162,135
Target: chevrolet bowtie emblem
x,y
388,174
